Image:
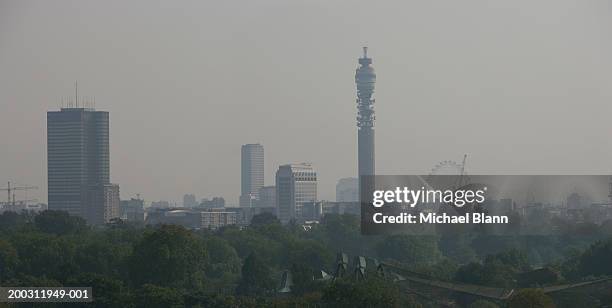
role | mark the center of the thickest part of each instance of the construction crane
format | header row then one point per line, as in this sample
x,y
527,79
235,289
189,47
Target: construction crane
x,y
12,190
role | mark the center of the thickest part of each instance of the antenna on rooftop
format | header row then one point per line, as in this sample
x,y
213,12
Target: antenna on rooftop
x,y
76,93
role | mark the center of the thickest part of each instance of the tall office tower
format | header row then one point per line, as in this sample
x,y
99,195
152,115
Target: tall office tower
x,y
365,79
296,184
347,190
78,165
252,173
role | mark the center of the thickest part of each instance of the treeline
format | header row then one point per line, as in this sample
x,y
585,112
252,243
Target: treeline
x,y
131,265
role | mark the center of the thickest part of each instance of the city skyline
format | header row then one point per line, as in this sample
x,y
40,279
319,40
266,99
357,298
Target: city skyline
x,y
184,93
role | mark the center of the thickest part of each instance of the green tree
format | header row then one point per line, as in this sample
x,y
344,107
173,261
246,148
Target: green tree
x,y
8,260
343,233
45,255
444,270
482,304
223,258
497,270
513,257
256,278
410,249
457,247
223,268
596,259
492,244
95,254
168,256
152,296
32,281
10,221
367,293
472,273
530,298
264,219
303,280
108,292
309,253
247,242
59,222
570,266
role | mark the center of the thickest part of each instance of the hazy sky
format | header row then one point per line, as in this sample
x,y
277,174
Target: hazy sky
x,y
521,86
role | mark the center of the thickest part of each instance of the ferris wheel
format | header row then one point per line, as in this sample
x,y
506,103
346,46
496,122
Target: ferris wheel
x,y
456,172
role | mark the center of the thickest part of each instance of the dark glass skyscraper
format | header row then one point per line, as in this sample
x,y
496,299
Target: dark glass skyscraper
x,y
78,164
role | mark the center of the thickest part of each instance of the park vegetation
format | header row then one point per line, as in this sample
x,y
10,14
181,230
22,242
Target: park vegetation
x,y
130,265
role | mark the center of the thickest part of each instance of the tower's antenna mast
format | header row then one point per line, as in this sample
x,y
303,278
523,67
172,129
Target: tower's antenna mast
x,y
76,93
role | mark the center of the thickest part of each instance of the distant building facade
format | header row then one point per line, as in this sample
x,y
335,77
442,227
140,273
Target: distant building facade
x,y
347,190
189,200
267,197
251,173
215,202
317,210
194,218
103,203
132,210
20,206
160,204
296,184
266,202
216,220
78,163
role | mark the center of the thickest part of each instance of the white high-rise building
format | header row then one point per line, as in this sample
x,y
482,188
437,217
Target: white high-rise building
x,y
296,184
252,173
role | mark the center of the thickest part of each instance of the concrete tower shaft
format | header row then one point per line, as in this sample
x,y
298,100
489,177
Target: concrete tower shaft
x,y
365,80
